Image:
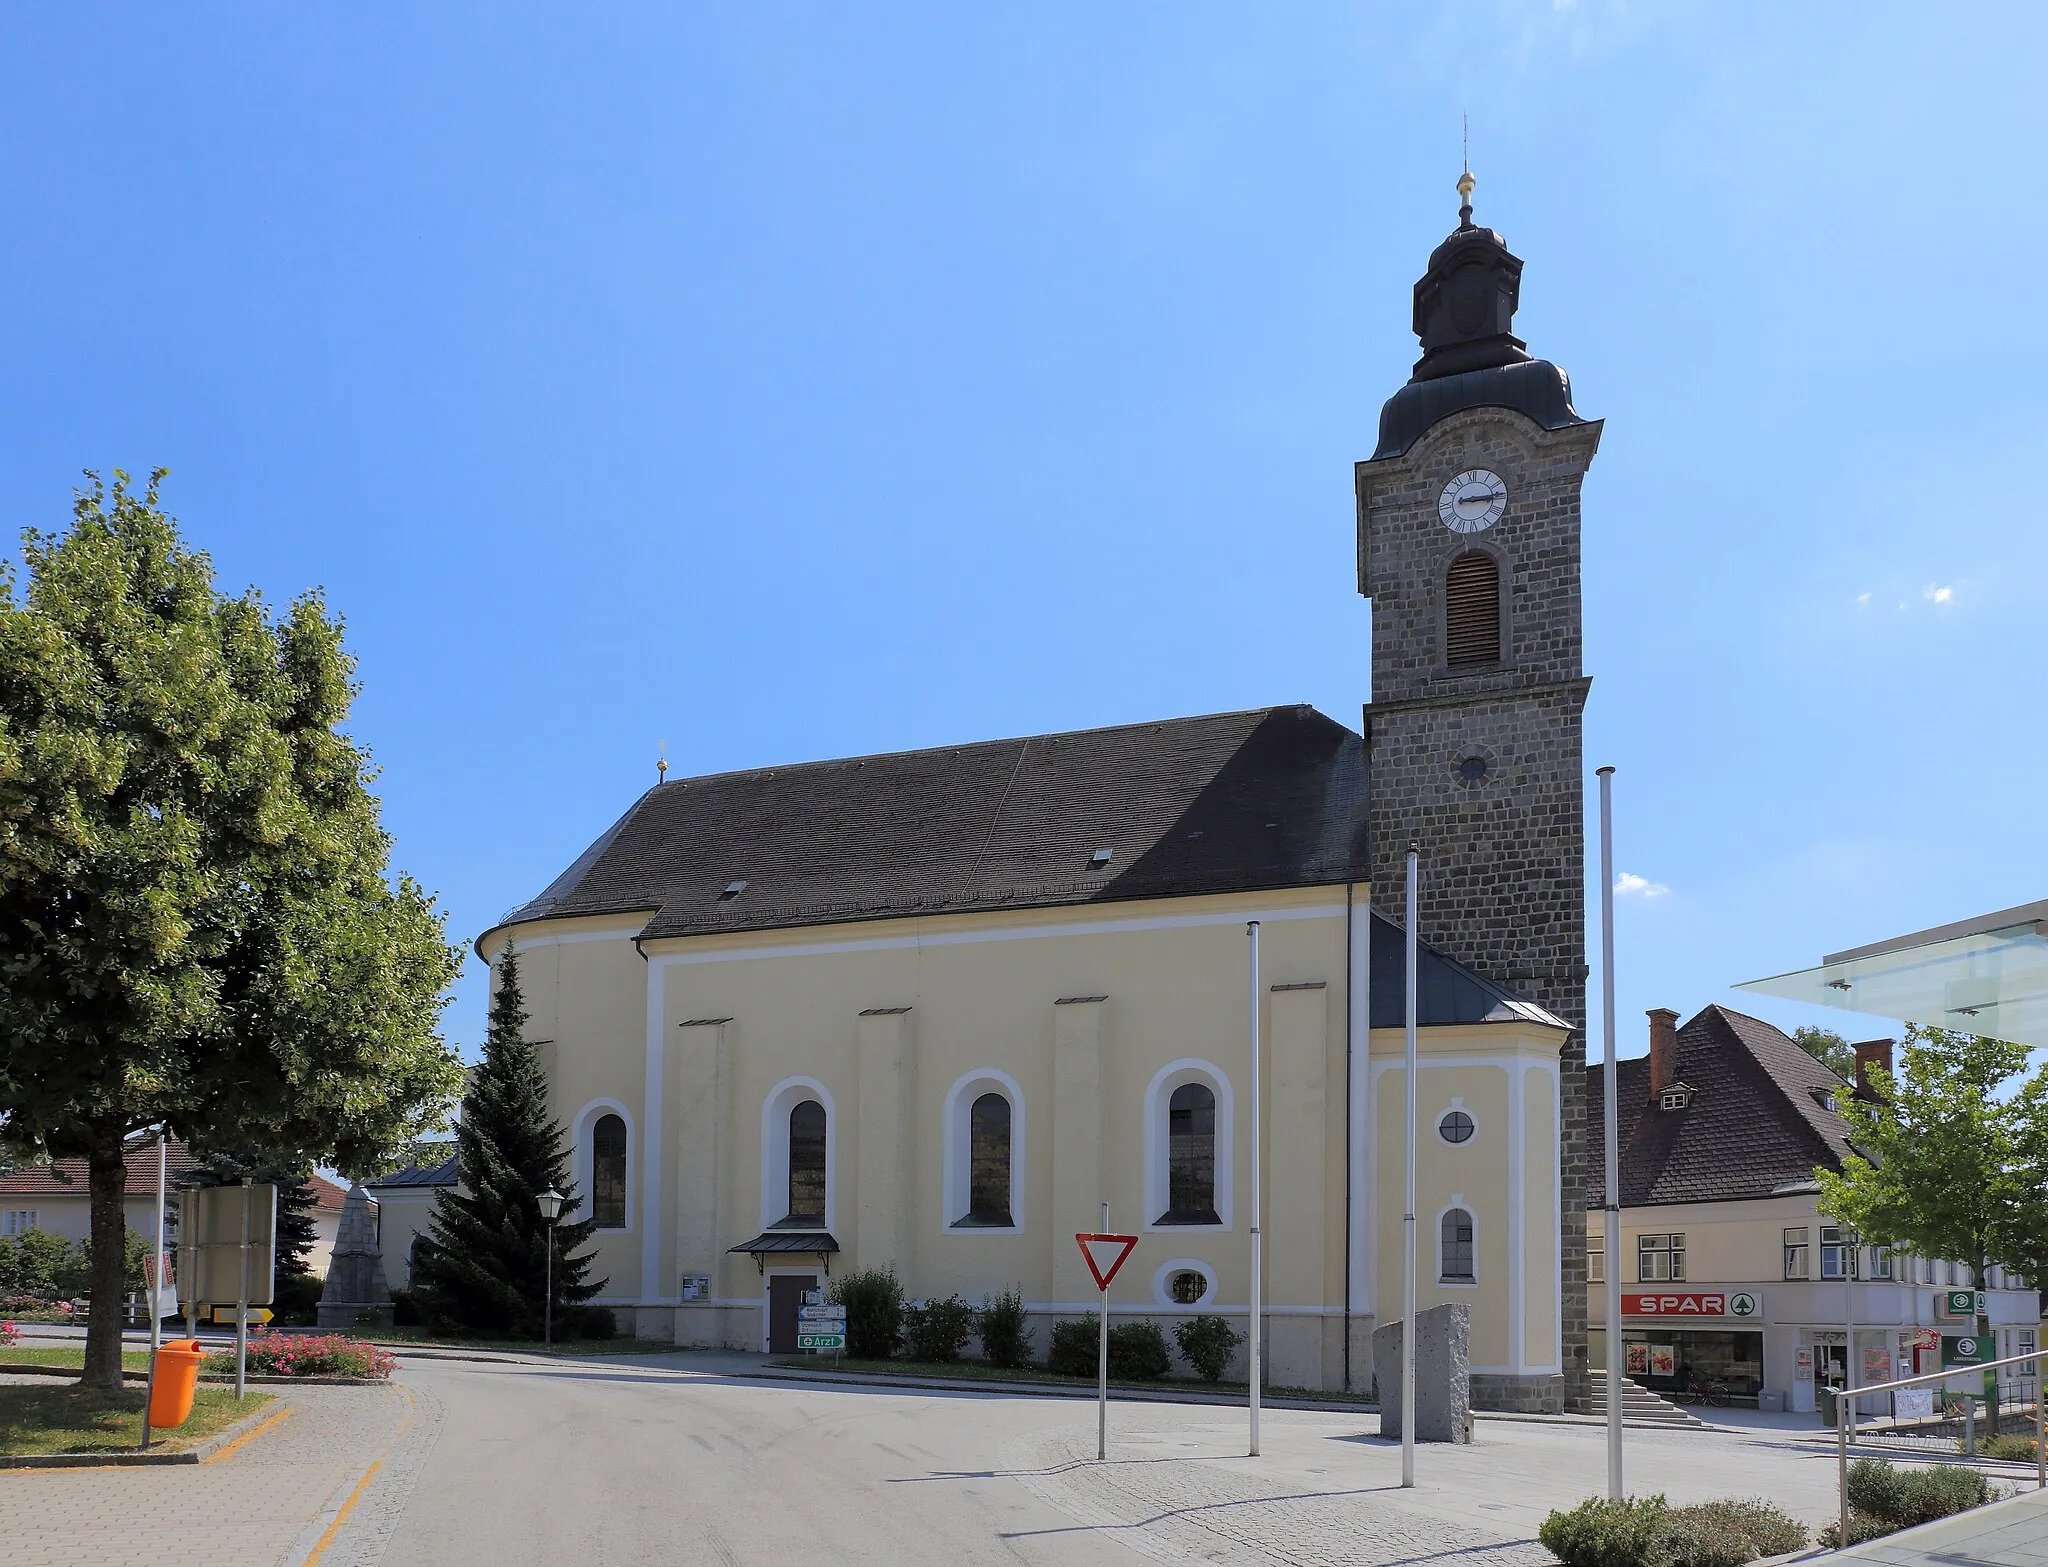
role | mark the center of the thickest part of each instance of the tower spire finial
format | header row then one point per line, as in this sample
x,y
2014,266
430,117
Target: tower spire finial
x,y
1465,180
661,762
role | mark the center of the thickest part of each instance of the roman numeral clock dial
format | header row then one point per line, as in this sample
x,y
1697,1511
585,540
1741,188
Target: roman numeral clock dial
x,y
1472,502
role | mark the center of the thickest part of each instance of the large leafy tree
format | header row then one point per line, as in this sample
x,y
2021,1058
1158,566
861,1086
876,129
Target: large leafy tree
x,y
482,1267
196,924
1829,1048
1951,1157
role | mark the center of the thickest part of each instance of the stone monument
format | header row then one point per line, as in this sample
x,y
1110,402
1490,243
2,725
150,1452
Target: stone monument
x,y
356,1293
1443,1390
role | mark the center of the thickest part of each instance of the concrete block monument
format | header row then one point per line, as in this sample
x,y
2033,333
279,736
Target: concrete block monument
x,y
356,1293
1443,1383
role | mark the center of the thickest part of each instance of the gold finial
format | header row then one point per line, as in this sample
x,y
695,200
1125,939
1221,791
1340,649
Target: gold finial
x,y
661,762
1465,180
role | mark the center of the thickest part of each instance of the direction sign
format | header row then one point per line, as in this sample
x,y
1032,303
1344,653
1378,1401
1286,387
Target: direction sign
x,y
822,1314
821,1341
1104,1254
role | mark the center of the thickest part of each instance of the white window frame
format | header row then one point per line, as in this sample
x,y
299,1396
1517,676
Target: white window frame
x,y
1672,1251
1596,1254
1188,1069
583,1142
1162,1283
957,1172
1456,1107
1842,1246
784,1097
1804,1246
19,1222
1458,1204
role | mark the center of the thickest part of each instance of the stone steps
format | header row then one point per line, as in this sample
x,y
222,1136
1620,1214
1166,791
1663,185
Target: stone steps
x,y
1638,1403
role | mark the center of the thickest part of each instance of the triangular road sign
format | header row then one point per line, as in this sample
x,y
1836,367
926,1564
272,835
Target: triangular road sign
x,y
1104,1254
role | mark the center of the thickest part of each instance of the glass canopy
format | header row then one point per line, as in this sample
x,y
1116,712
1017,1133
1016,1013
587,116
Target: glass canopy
x,y
1983,976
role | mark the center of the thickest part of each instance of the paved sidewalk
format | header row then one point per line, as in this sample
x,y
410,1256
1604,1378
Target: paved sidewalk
x,y
257,1505
2006,1534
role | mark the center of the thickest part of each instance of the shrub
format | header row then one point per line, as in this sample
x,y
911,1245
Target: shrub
x,y
1137,1352
307,1355
37,1265
1207,1343
296,1299
587,1322
1073,1348
1904,1497
1603,1533
1001,1325
937,1330
1729,1532
1861,1527
2012,1447
874,1312
405,1310
9,1337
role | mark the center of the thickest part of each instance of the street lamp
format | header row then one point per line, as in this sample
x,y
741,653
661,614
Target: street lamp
x,y
550,1210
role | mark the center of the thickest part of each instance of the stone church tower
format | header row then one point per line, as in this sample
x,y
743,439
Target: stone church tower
x,y
1468,547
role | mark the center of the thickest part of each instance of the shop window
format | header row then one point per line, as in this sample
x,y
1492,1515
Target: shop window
x,y
1796,1263
1837,1253
807,1163
1455,1236
1191,1156
1596,1259
608,1172
1660,1259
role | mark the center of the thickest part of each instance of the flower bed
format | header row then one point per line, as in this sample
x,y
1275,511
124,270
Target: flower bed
x,y
308,1355
9,1337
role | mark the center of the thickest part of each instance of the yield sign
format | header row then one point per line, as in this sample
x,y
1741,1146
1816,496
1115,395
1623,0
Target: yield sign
x,y
1104,1254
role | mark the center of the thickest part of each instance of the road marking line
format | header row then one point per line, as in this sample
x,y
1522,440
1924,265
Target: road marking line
x,y
334,1524
247,1436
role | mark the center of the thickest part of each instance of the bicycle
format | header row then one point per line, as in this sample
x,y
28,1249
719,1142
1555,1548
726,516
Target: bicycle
x,y
1713,1395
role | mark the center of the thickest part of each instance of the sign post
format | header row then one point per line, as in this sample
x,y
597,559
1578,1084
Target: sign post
x,y
1104,1253
820,1326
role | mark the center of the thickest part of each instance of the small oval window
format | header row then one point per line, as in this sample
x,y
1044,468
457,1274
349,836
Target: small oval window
x,y
1187,1287
1455,1127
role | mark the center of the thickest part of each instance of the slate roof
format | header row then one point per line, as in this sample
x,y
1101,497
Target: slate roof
x,y
1270,798
440,1173
67,1177
1752,1128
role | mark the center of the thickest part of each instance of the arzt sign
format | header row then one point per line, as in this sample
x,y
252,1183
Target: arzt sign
x,y
1697,1303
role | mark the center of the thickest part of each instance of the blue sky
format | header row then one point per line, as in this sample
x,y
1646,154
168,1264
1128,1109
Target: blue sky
x,y
799,381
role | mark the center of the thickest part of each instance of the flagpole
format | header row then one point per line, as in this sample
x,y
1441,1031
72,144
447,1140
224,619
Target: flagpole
x,y
1258,1301
1408,1206
1610,1218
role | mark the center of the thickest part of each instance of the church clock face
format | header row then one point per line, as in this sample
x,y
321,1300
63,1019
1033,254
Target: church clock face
x,y
1472,502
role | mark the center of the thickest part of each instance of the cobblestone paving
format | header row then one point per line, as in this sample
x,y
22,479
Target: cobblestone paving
x,y
245,1508
1171,1495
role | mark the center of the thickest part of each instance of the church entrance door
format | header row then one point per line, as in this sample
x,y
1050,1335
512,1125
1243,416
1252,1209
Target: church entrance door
x,y
785,1294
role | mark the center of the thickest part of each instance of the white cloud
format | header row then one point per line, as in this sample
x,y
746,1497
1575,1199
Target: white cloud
x,y
1628,884
1935,594
1863,598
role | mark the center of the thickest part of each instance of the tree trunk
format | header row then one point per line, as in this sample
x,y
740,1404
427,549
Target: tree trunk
x,y
107,1182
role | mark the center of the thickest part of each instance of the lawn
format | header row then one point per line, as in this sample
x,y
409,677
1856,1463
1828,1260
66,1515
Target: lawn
x,y
66,1419
982,1371
70,1356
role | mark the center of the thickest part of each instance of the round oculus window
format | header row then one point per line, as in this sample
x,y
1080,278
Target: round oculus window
x,y
1455,1127
1187,1287
1472,770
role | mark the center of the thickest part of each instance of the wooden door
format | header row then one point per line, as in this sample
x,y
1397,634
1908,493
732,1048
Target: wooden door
x,y
785,1294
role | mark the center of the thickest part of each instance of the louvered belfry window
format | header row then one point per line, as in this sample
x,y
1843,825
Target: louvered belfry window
x,y
1472,610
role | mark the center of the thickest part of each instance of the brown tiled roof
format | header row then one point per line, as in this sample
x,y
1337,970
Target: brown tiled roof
x,y
66,1177
1753,1126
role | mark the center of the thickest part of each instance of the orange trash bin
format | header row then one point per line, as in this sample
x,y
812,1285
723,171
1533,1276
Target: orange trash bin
x,y
175,1381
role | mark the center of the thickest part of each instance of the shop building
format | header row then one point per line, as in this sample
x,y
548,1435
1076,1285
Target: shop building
x,y
1729,1270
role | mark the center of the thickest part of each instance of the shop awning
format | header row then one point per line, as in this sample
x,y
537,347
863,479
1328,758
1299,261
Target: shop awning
x,y
1986,976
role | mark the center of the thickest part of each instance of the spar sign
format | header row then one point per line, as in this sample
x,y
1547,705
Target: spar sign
x,y
1698,1303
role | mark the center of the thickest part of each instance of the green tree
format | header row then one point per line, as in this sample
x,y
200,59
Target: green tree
x,y
1951,1158
1829,1048
481,1267
196,926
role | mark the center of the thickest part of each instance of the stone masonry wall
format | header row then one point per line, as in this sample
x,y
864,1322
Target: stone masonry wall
x,y
1503,856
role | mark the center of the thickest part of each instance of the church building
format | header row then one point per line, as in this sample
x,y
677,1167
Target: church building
x,y
929,1011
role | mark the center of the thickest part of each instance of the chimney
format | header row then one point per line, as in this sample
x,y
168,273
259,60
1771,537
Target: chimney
x,y
1872,1052
1663,1050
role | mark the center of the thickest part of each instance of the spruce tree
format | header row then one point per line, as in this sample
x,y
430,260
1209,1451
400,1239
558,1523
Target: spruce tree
x,y
480,1269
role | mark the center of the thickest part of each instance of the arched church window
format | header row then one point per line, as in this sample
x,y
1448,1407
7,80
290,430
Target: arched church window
x,y
1456,1247
988,1161
1472,610
807,1162
1191,1156
608,1172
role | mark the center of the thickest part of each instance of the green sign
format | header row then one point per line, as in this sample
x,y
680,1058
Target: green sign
x,y
821,1341
1962,1303
1742,1304
1960,1352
